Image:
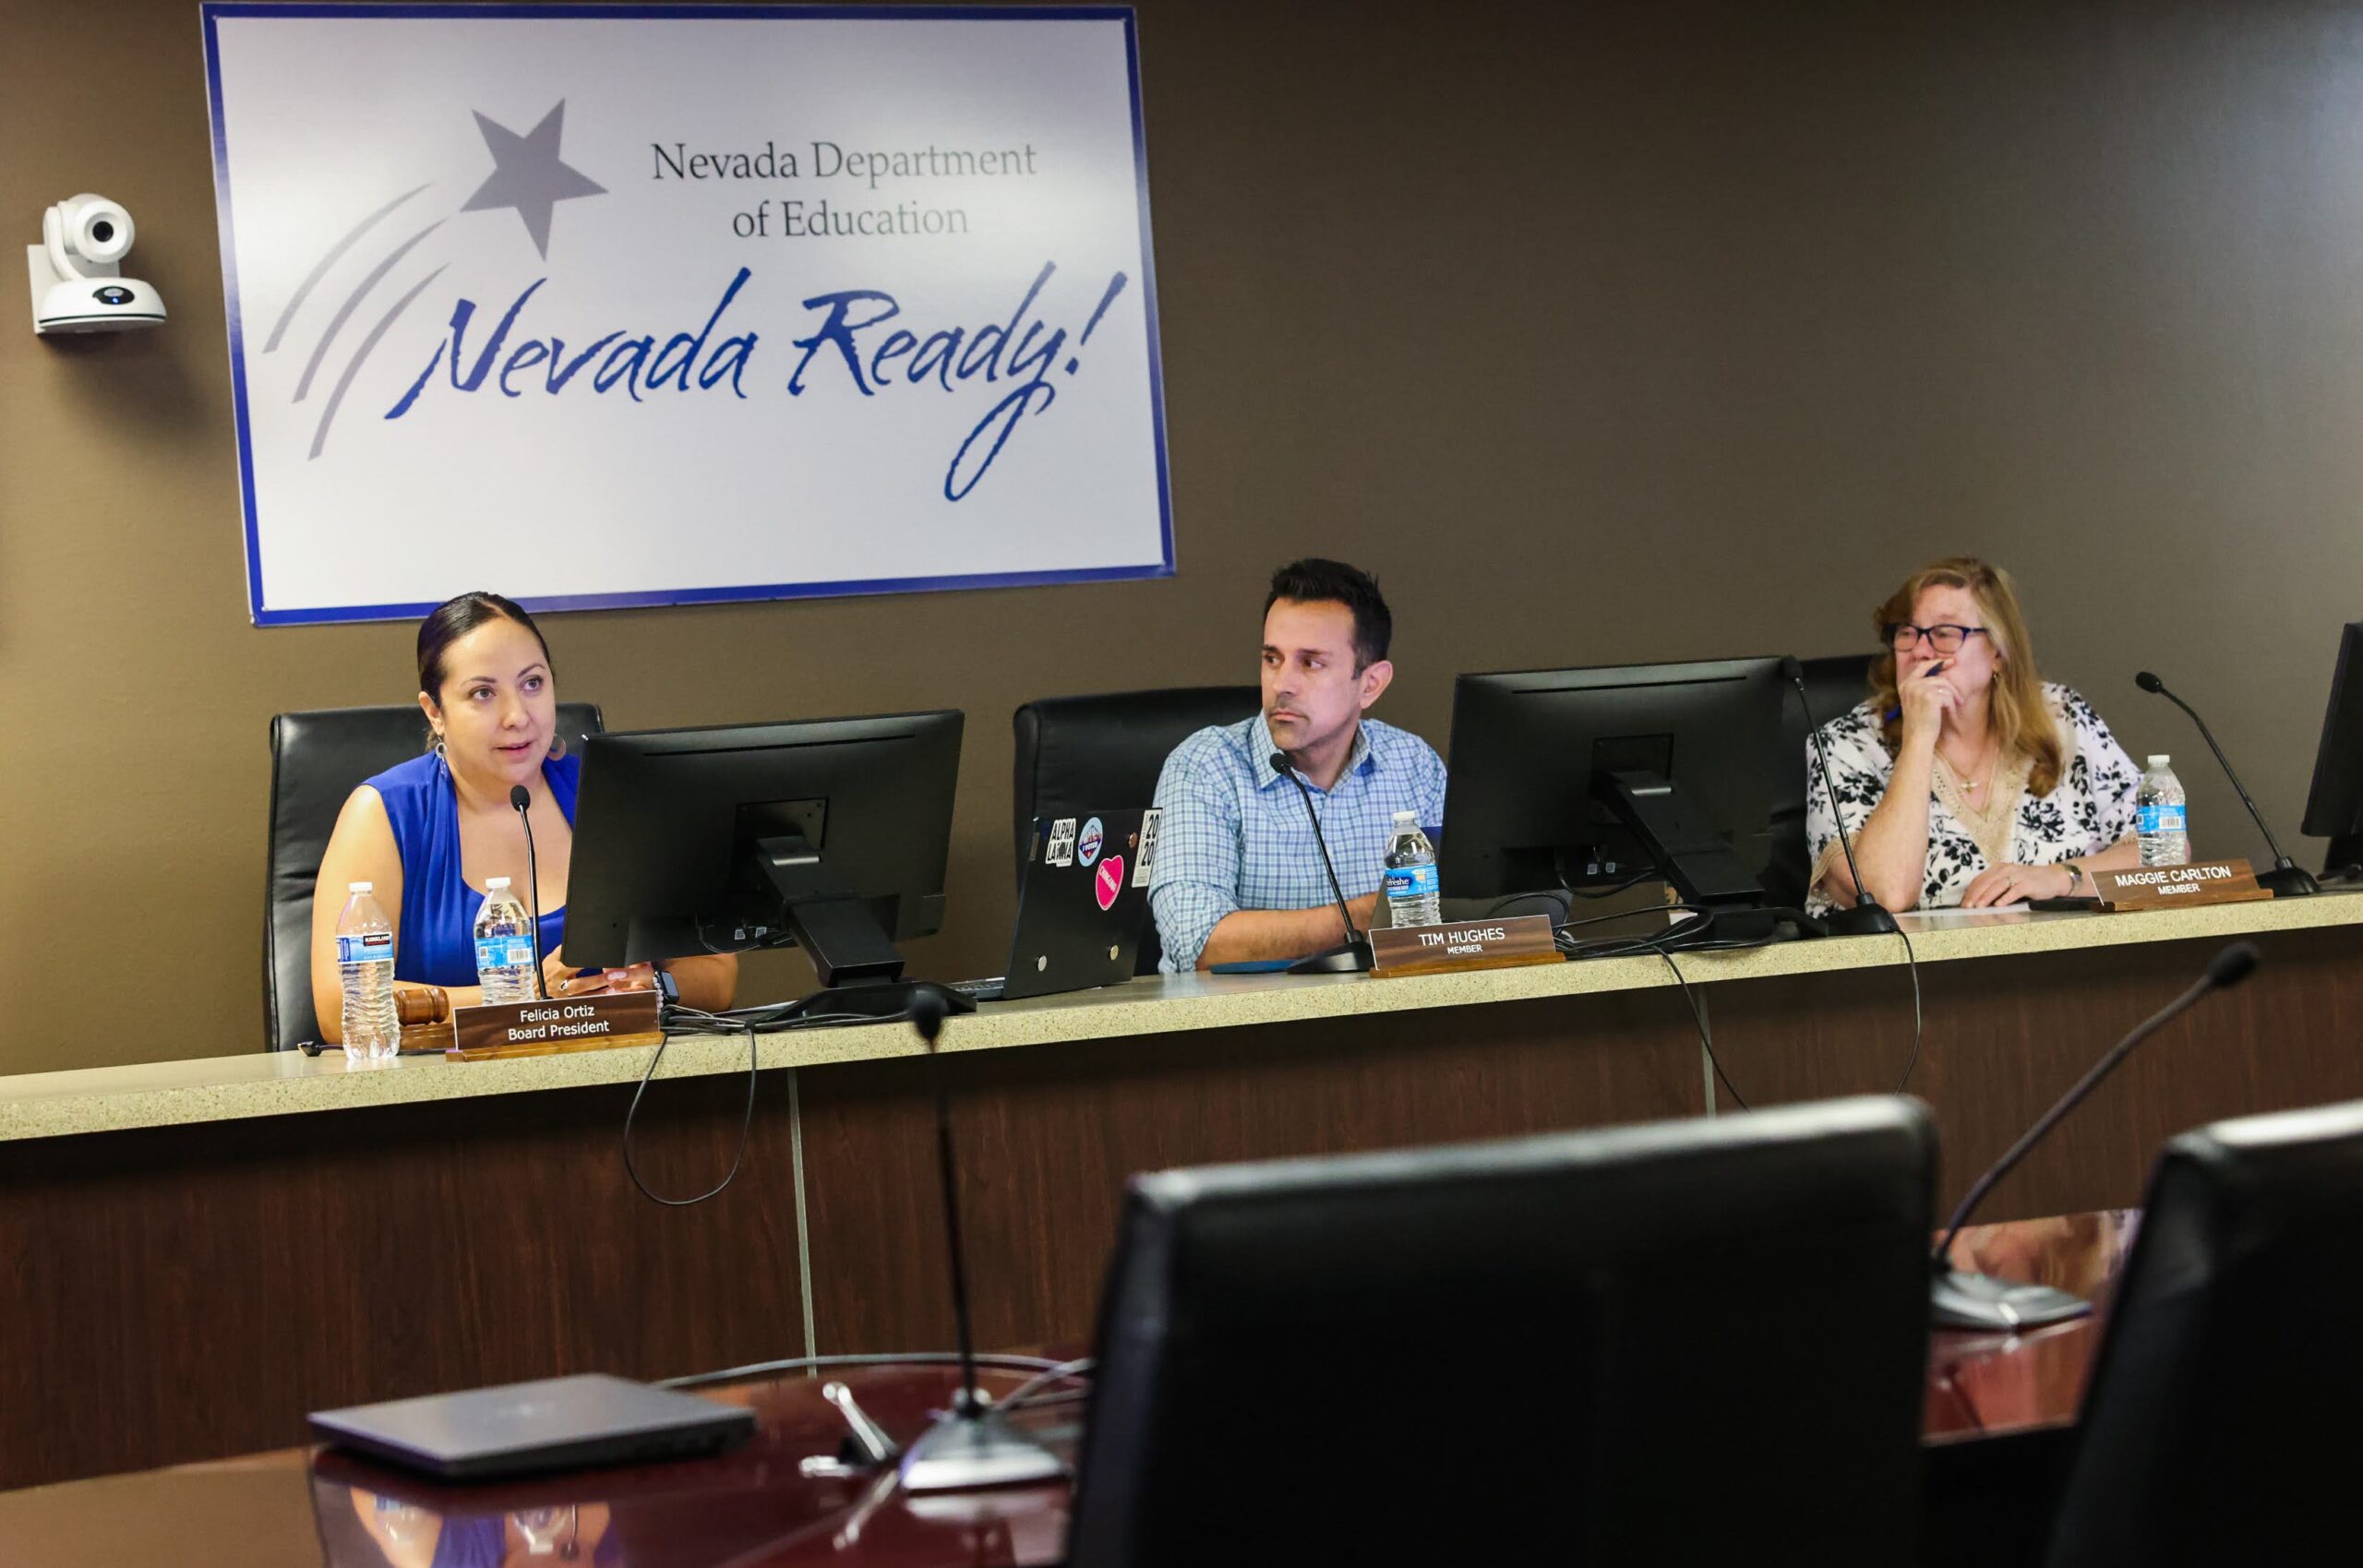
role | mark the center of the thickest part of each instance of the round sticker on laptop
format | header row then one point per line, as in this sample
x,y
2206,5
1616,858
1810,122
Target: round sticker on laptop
x,y
1108,883
1086,848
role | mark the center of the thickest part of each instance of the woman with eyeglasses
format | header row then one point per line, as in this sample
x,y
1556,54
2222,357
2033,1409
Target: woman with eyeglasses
x,y
1967,779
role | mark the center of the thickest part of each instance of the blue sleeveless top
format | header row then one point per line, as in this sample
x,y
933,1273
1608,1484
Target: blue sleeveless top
x,y
471,1542
437,940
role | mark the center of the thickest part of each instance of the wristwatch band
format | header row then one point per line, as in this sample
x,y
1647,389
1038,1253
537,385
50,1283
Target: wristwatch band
x,y
2075,877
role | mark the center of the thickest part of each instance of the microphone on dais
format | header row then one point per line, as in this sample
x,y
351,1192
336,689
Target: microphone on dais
x,y
2287,879
1353,956
1962,1300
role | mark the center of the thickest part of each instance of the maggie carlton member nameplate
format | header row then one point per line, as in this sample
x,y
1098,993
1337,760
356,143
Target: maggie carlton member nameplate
x,y
545,1028
2172,887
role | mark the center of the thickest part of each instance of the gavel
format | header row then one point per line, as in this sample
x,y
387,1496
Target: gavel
x,y
422,1004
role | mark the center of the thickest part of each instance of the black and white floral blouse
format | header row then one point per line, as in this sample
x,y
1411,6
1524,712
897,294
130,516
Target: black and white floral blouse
x,y
2088,810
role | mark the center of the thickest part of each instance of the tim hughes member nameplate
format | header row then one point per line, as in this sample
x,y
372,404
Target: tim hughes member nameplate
x,y
1470,944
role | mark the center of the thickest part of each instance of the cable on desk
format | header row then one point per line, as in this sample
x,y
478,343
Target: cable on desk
x,y
1706,1039
1041,1365
1047,1399
700,1022
1912,963
1025,1393
752,1022
1696,920
1612,888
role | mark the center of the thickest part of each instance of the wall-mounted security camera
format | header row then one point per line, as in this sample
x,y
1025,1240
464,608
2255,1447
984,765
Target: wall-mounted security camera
x,y
78,282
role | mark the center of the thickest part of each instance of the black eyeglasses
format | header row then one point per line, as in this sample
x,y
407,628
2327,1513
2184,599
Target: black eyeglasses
x,y
1903,636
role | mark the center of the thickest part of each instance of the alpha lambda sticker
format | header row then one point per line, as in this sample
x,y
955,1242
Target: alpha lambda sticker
x,y
1061,847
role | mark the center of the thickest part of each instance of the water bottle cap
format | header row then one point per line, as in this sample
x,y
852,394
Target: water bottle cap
x,y
2159,760
359,887
1411,816
492,883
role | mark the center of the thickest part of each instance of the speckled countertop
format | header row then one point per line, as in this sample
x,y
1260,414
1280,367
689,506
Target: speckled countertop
x,y
47,1104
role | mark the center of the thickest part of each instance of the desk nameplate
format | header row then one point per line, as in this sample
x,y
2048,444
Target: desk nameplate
x,y
545,1028
1470,944
2171,887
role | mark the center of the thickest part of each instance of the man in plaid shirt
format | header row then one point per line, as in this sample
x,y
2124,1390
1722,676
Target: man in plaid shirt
x,y
1238,875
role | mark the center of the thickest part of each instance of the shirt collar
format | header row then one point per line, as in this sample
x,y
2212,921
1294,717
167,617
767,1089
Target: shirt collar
x,y
1363,758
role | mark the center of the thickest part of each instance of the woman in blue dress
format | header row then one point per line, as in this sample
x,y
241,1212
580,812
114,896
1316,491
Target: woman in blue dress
x,y
428,832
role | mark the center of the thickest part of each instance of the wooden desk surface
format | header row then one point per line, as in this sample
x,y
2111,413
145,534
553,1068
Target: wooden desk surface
x,y
303,1508
754,1507
206,1260
268,1083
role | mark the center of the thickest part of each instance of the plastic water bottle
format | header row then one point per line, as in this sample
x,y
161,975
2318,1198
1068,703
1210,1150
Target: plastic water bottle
x,y
504,945
2162,815
1412,895
365,959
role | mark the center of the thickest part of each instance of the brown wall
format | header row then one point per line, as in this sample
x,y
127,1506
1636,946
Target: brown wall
x,y
1609,334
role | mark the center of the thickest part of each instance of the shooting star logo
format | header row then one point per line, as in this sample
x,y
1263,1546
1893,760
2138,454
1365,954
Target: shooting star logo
x,y
528,177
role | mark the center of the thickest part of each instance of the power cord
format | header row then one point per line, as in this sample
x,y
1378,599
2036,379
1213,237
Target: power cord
x,y
1612,888
1911,963
1031,1393
700,1022
1706,1037
1696,921
1044,1369
679,1020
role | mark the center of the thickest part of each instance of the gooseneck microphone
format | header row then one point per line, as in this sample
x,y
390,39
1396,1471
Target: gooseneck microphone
x,y
521,800
2287,879
971,1447
1867,919
1354,956
1961,1299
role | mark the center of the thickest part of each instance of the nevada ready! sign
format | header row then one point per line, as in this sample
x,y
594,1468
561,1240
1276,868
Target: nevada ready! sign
x,y
612,305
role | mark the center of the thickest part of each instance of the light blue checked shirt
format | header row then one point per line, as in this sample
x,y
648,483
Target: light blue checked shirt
x,y
1234,834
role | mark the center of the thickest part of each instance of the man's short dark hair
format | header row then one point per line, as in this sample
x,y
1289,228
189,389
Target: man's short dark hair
x,y
1316,581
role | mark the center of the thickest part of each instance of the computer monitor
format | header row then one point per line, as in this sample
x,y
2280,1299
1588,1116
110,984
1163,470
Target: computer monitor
x,y
2230,1338
831,834
2334,804
1592,777
1693,1342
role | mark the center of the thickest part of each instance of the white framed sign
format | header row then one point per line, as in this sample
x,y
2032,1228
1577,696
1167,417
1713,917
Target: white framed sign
x,y
608,306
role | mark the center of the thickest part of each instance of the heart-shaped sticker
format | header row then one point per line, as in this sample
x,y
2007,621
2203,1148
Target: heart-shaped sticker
x,y
1109,880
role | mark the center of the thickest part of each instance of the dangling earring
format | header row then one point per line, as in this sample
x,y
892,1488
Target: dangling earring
x,y
440,757
558,748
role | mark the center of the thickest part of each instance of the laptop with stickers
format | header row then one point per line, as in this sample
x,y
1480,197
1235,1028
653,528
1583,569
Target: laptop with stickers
x,y
1081,906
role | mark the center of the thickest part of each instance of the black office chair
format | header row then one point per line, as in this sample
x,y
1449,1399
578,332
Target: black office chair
x,y
1835,685
316,760
1078,754
2217,1424
1702,1341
